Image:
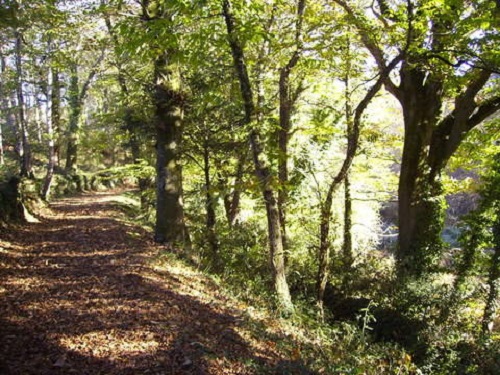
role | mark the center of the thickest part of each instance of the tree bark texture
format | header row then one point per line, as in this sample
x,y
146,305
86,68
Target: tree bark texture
x,y
77,97
168,100
286,105
75,106
215,260
25,151
53,120
347,250
3,107
262,170
232,197
492,301
420,208
234,210
170,227
429,143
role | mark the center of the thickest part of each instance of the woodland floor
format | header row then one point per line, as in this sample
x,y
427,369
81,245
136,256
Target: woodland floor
x,y
80,294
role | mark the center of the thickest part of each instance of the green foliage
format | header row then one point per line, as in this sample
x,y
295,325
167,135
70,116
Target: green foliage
x,y
139,170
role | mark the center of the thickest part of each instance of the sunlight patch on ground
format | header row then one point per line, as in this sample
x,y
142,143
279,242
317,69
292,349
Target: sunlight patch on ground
x,y
114,342
97,198
25,283
84,254
10,248
189,280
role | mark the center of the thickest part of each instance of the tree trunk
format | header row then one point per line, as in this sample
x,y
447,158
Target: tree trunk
x,y
170,227
75,106
286,106
428,145
232,196
2,161
262,170
53,120
492,302
421,206
3,106
38,117
324,245
347,251
77,97
168,100
26,162
233,204
215,260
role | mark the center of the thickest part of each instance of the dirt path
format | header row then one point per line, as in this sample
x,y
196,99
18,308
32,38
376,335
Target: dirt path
x,y
78,296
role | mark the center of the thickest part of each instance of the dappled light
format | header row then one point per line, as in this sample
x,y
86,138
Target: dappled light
x,y
79,296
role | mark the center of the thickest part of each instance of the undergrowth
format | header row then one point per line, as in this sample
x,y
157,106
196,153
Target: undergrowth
x,y
377,329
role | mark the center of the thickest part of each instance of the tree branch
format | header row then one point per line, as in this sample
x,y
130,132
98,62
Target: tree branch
x,y
353,140
90,77
465,116
483,111
372,47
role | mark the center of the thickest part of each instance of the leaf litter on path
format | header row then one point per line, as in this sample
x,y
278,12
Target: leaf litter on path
x,y
79,295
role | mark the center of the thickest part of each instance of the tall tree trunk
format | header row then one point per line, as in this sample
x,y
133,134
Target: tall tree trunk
x,y
421,206
53,120
428,145
262,170
232,196
347,254
492,301
215,260
234,202
3,107
170,227
286,105
168,100
74,120
324,245
283,139
347,251
38,118
77,97
2,161
26,162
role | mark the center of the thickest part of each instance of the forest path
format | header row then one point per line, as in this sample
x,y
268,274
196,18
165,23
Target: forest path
x,y
79,295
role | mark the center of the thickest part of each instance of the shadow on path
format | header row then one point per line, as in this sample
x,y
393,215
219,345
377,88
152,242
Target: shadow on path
x,y
77,296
